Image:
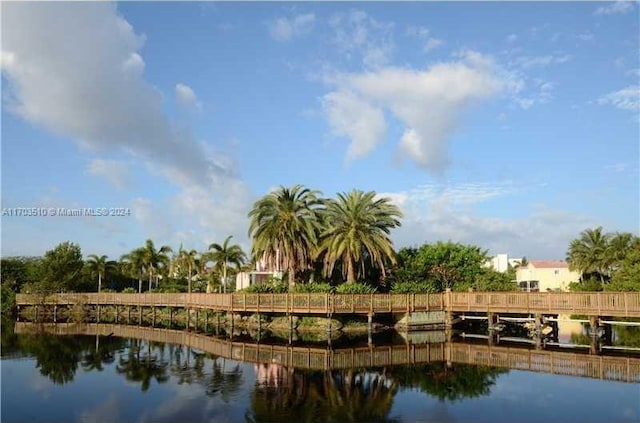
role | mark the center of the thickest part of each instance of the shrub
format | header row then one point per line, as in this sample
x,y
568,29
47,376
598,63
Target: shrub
x,y
314,288
590,284
355,288
129,290
412,287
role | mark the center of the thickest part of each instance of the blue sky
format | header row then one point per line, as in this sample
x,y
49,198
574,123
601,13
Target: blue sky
x,y
513,126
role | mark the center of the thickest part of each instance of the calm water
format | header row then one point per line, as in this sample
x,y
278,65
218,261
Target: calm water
x,y
48,378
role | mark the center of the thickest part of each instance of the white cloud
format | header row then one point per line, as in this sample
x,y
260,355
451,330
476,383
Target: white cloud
x,y
186,96
87,83
585,36
432,43
617,167
417,31
625,99
527,62
428,102
285,29
358,34
115,171
437,212
618,7
352,117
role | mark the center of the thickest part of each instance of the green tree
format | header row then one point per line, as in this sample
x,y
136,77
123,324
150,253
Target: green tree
x,y
284,227
59,270
189,260
590,254
626,277
154,259
357,233
134,263
444,265
225,255
99,265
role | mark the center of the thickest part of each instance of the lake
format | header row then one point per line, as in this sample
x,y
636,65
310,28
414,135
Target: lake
x,y
105,377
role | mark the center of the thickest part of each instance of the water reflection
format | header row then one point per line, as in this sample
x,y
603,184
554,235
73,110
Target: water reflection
x,y
283,394
262,392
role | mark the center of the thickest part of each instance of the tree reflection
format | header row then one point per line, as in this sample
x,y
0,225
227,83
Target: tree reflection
x,y
58,357
283,394
142,367
452,384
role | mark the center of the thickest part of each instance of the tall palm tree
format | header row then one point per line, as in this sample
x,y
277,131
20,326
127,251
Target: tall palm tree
x,y
154,259
188,259
134,262
588,254
226,254
357,232
284,227
99,265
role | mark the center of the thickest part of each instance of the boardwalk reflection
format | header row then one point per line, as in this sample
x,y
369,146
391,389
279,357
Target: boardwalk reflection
x,y
617,368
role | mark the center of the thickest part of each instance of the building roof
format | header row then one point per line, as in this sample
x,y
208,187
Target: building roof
x,y
549,264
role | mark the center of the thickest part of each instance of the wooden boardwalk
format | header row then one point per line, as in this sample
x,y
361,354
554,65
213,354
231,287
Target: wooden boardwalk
x,y
613,304
623,369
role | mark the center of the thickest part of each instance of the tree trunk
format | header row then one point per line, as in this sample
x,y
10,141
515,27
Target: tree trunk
x,y
351,276
139,285
291,276
150,278
224,278
189,280
99,282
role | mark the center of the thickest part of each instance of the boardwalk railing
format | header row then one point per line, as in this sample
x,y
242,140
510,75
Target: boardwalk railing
x,y
266,303
618,304
621,369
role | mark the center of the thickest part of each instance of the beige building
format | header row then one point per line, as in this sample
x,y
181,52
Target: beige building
x,y
545,275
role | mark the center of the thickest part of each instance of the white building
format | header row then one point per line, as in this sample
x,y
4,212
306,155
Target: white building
x,y
501,262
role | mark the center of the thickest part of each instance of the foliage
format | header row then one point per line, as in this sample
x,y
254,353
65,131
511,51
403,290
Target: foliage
x,y
8,295
627,276
491,280
59,270
15,272
129,290
313,288
410,287
356,232
284,226
605,261
271,286
445,265
590,284
226,254
99,266
355,288
187,260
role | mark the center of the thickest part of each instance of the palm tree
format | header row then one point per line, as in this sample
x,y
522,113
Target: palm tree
x,y
135,264
100,266
588,254
357,232
189,259
153,259
284,227
224,255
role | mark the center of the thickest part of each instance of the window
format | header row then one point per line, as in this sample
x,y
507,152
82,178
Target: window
x,y
556,272
529,286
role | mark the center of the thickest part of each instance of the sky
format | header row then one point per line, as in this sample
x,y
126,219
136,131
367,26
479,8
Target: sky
x,y
512,126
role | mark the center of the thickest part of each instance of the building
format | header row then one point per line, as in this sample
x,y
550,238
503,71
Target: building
x,y
501,262
261,274
545,275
